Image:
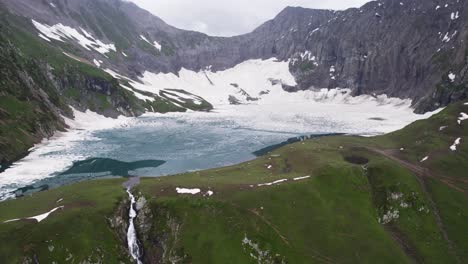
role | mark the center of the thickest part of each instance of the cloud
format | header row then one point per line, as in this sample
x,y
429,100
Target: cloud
x,y
199,26
227,17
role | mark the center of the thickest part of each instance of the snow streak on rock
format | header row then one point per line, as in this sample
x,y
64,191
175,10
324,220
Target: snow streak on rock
x,y
61,33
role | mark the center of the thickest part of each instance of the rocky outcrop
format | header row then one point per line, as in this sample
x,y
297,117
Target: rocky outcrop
x,y
157,230
161,243
119,221
98,94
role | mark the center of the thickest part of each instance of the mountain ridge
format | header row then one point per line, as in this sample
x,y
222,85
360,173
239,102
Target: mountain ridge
x,y
373,49
408,49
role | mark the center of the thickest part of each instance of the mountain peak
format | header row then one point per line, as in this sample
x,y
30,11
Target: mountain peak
x,y
351,42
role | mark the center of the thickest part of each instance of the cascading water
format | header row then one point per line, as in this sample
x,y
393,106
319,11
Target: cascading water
x,y
131,233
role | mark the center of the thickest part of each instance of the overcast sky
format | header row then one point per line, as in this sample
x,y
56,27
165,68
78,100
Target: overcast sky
x,y
230,17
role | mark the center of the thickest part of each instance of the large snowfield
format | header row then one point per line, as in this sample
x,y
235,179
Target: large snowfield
x,y
199,140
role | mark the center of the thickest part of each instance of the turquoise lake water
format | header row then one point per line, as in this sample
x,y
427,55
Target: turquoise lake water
x,y
161,146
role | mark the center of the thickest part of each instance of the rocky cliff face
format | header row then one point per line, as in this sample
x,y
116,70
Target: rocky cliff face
x,y
29,109
403,48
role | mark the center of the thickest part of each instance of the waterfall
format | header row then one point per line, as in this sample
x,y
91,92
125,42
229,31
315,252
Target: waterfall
x,y
131,233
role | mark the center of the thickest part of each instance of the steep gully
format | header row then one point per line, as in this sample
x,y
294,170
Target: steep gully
x,y
132,239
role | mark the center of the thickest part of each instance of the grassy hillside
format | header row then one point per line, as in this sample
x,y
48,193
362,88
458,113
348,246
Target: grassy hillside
x,y
367,200
30,107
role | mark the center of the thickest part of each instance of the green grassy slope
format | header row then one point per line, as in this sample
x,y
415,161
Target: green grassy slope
x,y
29,105
36,83
79,232
366,201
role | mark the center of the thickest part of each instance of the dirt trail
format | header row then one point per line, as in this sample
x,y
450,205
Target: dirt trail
x,y
270,225
420,174
316,254
421,171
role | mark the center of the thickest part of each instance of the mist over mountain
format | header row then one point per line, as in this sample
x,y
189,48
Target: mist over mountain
x,y
230,18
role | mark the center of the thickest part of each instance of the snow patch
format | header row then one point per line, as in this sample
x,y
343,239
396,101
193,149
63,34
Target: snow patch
x,y
62,33
71,56
187,191
452,76
137,94
455,144
97,63
154,44
116,75
215,87
463,117
157,45
185,97
448,37
424,159
38,218
272,183
332,73
269,76
301,178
